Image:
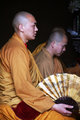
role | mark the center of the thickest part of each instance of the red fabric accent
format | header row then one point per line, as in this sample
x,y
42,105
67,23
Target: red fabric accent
x,y
25,112
26,45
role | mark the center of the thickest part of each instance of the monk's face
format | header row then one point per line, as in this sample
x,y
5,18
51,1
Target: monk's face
x,y
30,28
60,47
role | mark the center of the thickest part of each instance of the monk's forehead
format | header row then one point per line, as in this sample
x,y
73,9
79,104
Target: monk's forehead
x,y
31,18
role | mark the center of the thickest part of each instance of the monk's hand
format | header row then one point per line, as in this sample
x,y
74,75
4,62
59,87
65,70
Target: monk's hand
x,y
61,108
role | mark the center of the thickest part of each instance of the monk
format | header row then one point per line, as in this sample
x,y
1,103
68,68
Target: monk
x,y
47,58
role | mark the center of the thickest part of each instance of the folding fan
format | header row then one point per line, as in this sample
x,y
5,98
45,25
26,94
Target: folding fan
x,y
60,85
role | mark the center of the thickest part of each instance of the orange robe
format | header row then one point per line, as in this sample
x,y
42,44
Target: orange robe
x,y
53,115
47,64
16,61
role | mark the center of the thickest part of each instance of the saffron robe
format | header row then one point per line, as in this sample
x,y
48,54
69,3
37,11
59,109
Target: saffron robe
x,y
47,64
16,81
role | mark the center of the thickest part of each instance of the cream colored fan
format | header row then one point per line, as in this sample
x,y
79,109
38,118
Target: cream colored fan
x,y
60,85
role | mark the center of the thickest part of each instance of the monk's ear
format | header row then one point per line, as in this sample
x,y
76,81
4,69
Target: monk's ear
x,y
52,44
21,28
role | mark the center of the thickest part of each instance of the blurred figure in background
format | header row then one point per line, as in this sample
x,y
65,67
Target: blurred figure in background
x,y
47,58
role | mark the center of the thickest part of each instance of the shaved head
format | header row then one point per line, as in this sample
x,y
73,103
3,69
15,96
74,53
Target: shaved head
x,y
21,18
57,35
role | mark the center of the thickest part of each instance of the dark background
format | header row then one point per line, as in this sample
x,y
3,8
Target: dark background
x,y
49,14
